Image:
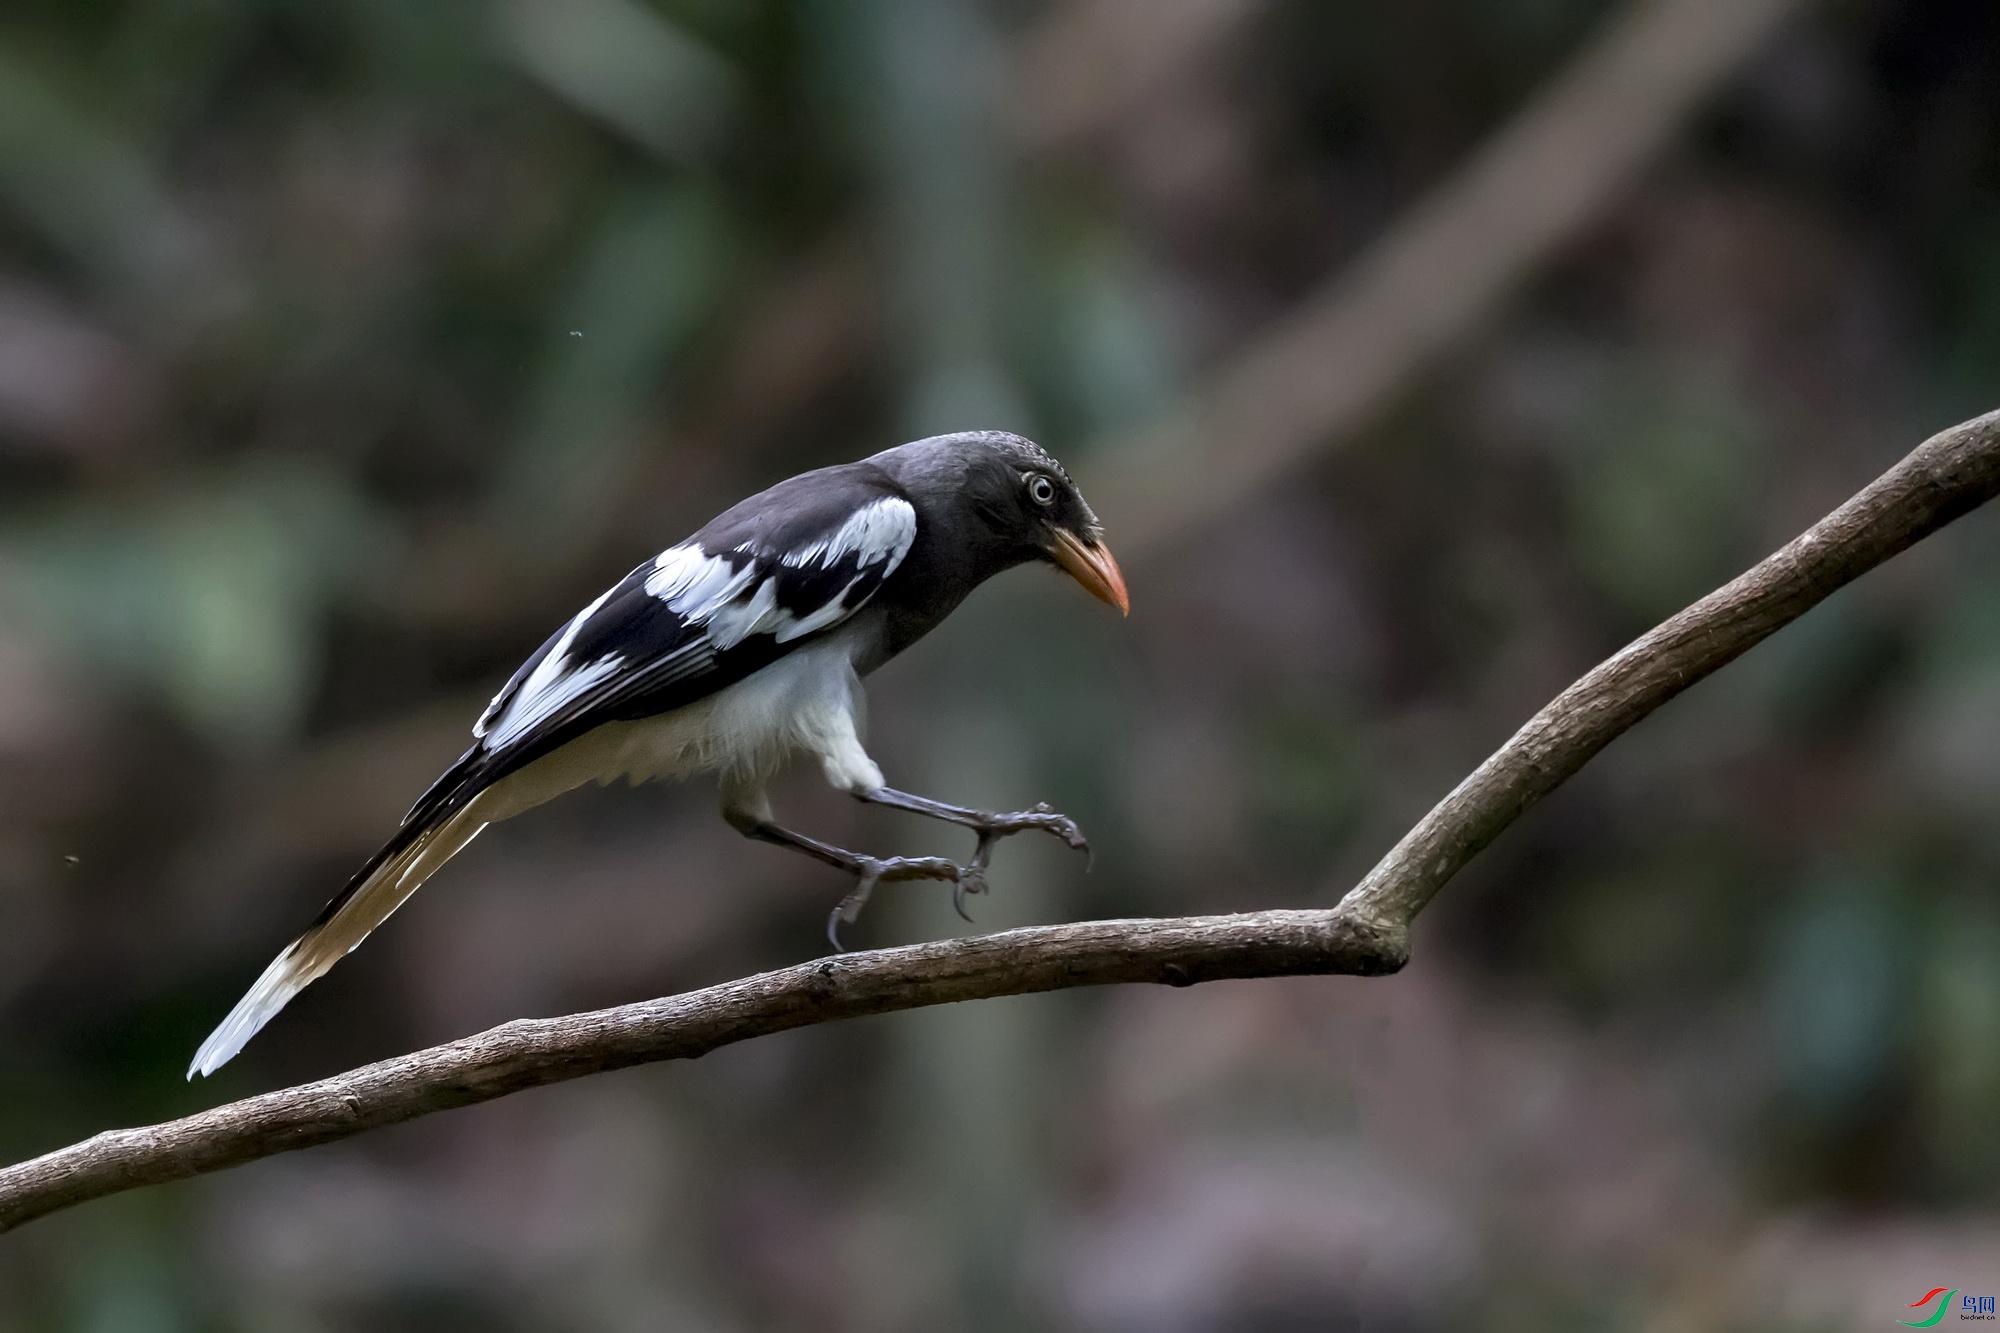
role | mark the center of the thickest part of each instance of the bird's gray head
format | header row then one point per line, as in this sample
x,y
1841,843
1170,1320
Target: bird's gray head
x,y
1017,497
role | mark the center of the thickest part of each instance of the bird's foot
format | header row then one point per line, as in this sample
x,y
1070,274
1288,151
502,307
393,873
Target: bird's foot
x,y
992,827
870,871
966,879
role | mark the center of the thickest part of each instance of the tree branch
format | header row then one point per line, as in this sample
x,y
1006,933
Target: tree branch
x,y
1366,934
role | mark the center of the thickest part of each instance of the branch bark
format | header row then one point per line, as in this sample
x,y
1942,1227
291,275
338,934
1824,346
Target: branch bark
x,y
1366,934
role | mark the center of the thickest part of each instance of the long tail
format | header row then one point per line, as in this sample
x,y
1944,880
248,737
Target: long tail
x,y
427,840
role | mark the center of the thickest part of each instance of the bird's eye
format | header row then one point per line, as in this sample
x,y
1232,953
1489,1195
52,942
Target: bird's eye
x,y
1042,491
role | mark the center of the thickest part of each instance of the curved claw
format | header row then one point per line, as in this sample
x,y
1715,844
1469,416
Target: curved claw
x,y
1066,828
871,872
971,879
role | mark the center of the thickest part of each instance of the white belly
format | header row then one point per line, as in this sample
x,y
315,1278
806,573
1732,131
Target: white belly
x,y
805,702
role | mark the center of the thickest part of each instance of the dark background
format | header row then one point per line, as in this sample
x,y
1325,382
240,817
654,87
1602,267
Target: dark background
x,y
347,346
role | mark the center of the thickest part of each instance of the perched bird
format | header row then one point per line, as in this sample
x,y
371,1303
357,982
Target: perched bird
x,y
730,653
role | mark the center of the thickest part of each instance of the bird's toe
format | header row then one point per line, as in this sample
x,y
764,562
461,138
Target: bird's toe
x,y
913,867
971,880
1062,826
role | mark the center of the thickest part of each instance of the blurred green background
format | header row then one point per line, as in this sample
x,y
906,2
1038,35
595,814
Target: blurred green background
x,y
346,346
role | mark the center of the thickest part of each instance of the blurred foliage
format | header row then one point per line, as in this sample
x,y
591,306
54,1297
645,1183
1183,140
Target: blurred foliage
x,y
215,595
1661,486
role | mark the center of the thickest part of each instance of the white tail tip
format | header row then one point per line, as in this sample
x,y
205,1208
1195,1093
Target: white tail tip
x,y
283,979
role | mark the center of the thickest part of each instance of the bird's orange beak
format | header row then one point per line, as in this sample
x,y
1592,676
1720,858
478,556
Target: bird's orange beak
x,y
1090,564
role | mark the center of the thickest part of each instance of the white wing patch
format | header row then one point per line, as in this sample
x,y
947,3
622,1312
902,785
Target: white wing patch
x,y
881,530
540,699
548,673
709,590
814,621
732,623
547,687
694,583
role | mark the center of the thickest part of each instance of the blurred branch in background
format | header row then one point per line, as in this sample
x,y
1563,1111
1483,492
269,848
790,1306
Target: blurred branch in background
x,y
1085,66
624,65
1367,934
1351,348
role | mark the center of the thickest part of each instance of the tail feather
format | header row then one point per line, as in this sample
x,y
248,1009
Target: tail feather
x,y
383,885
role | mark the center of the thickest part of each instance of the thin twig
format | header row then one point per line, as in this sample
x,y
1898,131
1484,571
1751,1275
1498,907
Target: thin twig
x,y
1366,934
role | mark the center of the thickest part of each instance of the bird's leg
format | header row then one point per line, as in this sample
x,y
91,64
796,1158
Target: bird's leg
x,y
989,825
753,820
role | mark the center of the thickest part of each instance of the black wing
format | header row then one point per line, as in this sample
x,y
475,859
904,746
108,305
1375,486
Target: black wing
x,y
777,570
